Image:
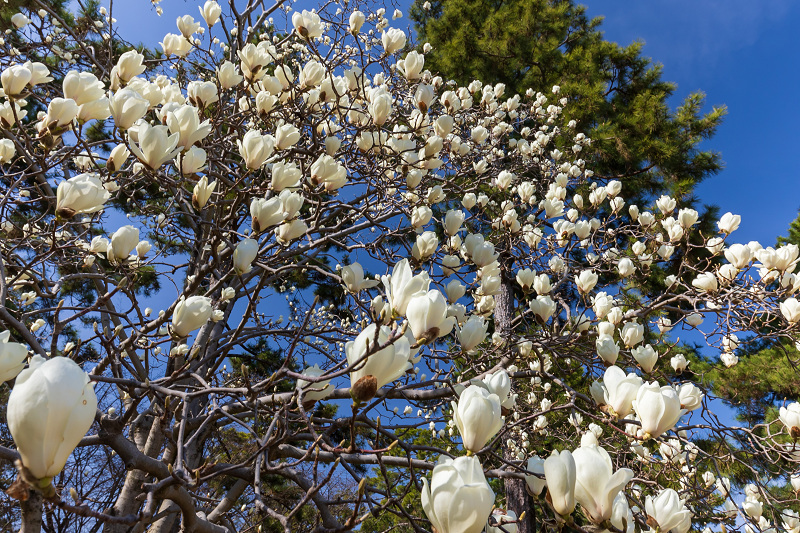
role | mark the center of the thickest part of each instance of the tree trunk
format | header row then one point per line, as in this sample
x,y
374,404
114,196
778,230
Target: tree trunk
x,y
517,497
32,513
127,502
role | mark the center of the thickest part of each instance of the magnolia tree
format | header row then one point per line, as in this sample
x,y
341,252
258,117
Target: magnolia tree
x,y
290,278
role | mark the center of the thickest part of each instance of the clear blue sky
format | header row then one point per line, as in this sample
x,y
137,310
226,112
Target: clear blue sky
x,y
742,53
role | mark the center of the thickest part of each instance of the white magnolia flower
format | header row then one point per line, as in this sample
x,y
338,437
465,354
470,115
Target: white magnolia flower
x,y
669,512
458,499
402,285
367,358
307,24
658,408
620,390
244,255
50,409
315,390
596,483
790,416
190,314
82,194
560,473
427,316
12,355
123,242
477,416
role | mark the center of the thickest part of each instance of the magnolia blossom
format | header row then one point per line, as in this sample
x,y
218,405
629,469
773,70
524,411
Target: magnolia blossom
x,y
265,213
729,359
669,512
129,64
560,473
12,357
356,20
458,499
632,333
187,26
477,416
228,75
646,356
620,390
791,521
472,333
453,221
536,483
790,309
501,521
7,150
425,246
190,314
244,255
586,281
626,267
82,194
658,408
314,390
117,157
596,483
790,416
185,120
427,316
210,12
255,148
177,45
706,282
499,383
691,397
307,24
202,192
15,80
19,20
50,409
88,93
285,176
366,357
679,362
287,232
729,223
412,65
127,107
353,278
123,241
155,145
526,278
286,136
402,285
60,112
607,349
393,40
202,93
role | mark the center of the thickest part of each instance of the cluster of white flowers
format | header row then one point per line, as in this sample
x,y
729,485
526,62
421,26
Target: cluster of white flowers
x,y
505,270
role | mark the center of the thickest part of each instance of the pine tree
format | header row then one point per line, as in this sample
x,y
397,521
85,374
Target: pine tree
x,y
618,96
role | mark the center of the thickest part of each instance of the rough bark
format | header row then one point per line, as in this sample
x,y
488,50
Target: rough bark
x,y
32,513
517,497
